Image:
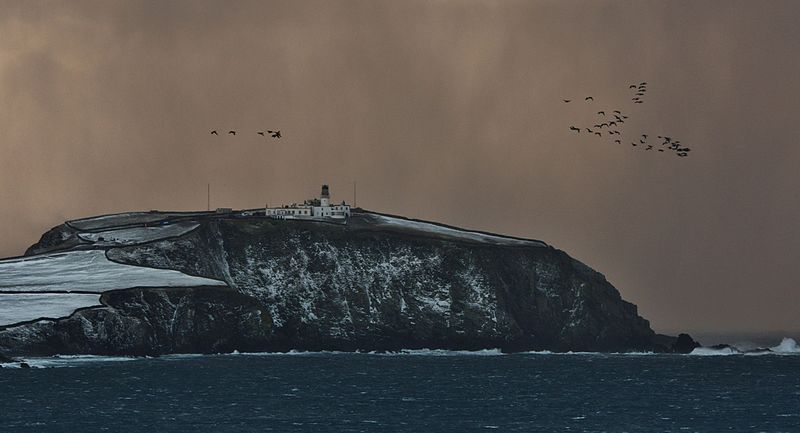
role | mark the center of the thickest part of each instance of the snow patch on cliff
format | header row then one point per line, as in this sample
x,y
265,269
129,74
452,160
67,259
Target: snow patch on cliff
x,y
88,271
451,233
138,235
23,307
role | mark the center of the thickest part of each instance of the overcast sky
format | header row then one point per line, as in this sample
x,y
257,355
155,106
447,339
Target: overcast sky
x,y
442,110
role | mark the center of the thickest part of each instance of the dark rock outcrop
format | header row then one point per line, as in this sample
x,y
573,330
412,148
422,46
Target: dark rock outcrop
x,y
150,321
309,285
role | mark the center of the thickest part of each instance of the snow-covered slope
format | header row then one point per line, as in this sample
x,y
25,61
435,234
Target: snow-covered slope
x,y
441,231
137,235
86,271
40,286
23,307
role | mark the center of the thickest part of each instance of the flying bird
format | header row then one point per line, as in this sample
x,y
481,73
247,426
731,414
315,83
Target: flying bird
x,y
602,113
616,141
632,86
275,134
572,128
588,98
261,133
617,112
566,100
214,132
232,132
598,134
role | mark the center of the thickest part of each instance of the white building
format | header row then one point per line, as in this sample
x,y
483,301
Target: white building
x,y
314,208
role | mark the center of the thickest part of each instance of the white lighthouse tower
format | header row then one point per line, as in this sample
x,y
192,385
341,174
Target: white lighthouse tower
x,y
325,197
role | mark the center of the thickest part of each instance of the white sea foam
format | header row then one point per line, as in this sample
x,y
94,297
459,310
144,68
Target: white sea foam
x,y
708,351
67,361
787,346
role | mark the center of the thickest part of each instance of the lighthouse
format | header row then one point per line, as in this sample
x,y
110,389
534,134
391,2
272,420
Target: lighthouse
x,y
325,197
315,208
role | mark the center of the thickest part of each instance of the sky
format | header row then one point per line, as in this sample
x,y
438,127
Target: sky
x,y
445,110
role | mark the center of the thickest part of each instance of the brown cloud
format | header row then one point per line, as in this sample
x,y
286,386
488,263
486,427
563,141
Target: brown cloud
x,y
445,110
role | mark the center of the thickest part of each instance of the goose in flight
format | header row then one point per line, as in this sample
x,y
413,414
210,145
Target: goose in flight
x,y
598,134
214,132
261,133
588,98
232,132
566,100
601,113
572,128
275,134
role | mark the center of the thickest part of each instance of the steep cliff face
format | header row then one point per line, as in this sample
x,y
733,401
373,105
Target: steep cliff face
x,y
149,321
374,283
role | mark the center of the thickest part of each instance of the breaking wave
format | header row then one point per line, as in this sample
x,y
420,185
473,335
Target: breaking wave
x,y
787,346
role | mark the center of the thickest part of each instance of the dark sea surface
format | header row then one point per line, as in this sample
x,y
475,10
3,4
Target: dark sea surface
x,y
425,391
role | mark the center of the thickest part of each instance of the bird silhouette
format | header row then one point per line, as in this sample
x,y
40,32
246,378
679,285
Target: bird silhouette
x,y
275,134
683,154
644,135
214,132
261,133
638,102
572,128
632,86
588,130
617,141
643,83
598,134
232,132
601,113
617,112
612,123
588,98
566,100
649,146
633,144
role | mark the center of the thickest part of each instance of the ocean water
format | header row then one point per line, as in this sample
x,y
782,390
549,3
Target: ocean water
x,y
423,391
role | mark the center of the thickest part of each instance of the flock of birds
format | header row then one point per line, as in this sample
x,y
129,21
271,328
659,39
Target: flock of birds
x,y
273,134
613,124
